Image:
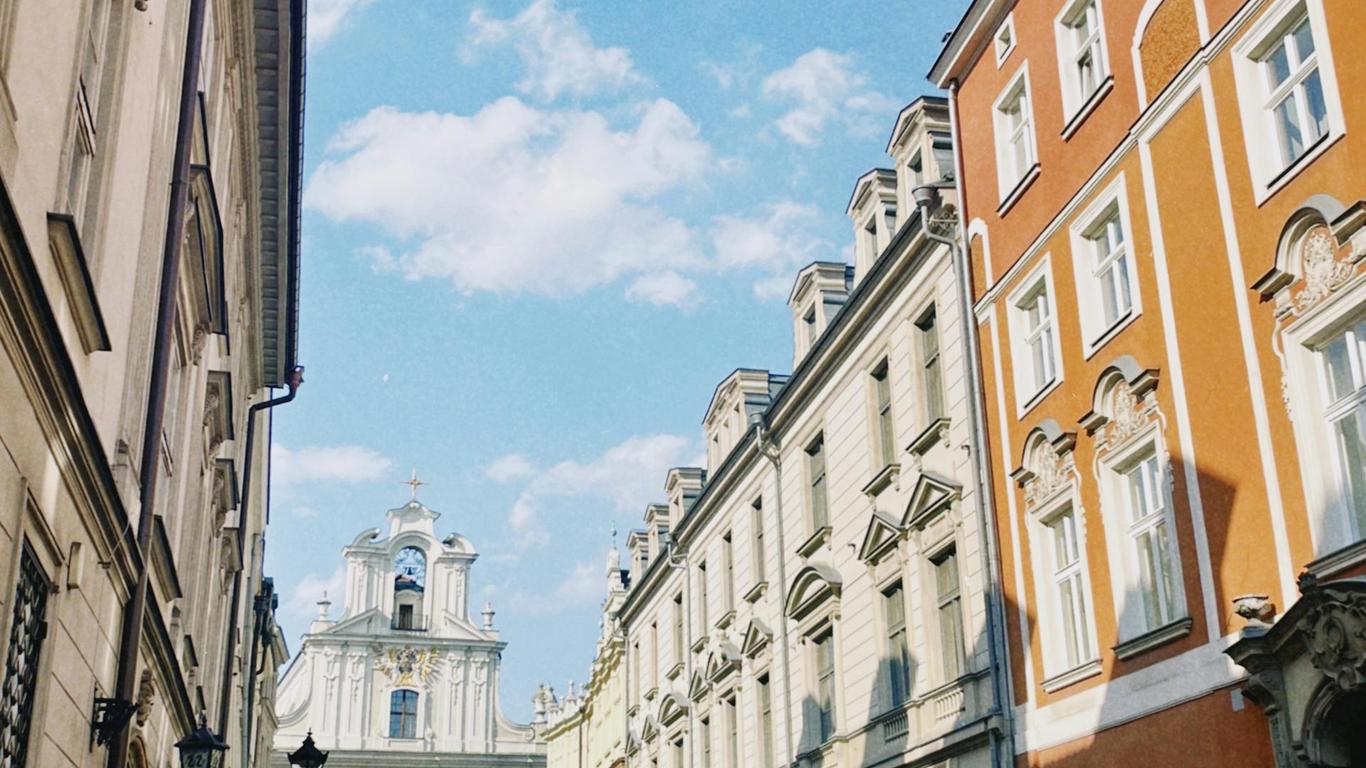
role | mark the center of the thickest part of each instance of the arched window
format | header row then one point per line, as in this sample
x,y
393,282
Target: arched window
x,y
403,714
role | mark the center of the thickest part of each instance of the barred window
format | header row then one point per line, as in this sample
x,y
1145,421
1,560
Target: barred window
x,y
21,662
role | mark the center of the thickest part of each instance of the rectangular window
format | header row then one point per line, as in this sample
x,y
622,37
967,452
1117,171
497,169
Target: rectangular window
x,y
403,715
898,648
765,696
405,617
1151,536
1294,89
1014,136
882,392
728,561
1032,323
1110,267
942,146
760,555
28,627
1082,51
815,470
931,375
732,734
704,741
678,753
825,686
635,668
1343,368
654,654
949,601
1069,591
702,593
678,628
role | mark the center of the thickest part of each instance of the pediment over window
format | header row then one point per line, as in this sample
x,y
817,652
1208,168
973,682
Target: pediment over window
x,y
649,731
671,708
815,586
757,638
1126,371
722,661
1046,466
932,495
880,538
697,686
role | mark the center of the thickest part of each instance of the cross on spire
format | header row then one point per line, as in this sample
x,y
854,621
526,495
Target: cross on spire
x,y
413,483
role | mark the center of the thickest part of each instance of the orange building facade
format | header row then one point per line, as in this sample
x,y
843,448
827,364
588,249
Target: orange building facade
x,y
1162,200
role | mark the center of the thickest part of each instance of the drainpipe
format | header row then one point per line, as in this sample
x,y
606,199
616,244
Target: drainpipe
x,y
296,380
763,438
264,607
927,198
130,637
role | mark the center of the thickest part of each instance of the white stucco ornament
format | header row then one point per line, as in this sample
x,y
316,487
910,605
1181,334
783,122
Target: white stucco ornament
x,y
1323,273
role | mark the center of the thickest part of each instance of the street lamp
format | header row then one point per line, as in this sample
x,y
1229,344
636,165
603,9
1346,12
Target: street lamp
x,y
202,748
308,756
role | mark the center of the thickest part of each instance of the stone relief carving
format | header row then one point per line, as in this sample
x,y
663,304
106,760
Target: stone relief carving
x,y
406,666
1051,472
1337,640
1323,273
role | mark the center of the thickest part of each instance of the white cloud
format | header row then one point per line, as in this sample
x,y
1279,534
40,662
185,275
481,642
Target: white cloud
x,y
628,475
824,86
584,584
330,463
664,289
300,607
556,50
777,243
514,199
328,17
513,466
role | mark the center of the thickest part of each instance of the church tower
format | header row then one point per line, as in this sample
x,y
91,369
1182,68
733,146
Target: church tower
x,y
404,669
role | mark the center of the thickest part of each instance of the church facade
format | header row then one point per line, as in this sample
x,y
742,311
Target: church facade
x,y
405,673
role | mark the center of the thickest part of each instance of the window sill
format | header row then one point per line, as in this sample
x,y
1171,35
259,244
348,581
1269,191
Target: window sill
x,y
1152,639
1072,676
1338,560
882,479
1018,191
726,619
699,644
1091,348
652,693
932,435
674,671
1283,177
757,591
1087,107
1038,397
818,539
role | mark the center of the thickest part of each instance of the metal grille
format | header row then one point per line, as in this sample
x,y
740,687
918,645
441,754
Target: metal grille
x,y
21,663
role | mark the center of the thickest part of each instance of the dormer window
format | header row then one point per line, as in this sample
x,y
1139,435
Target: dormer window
x,y
915,171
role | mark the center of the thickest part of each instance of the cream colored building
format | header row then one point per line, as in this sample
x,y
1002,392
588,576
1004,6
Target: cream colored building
x,y
818,594
91,101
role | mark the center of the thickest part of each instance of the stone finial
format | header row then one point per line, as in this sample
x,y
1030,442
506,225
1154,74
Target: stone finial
x,y
488,615
324,605
1256,609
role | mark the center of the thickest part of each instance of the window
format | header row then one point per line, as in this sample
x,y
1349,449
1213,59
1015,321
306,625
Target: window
x,y
635,667
704,741
1288,93
1150,535
403,715
1343,365
931,378
1081,53
678,628
654,654
898,649
825,686
760,556
765,696
1014,136
1069,593
948,600
1005,39
882,393
815,470
1033,329
28,627
702,592
677,752
732,734
943,155
1105,268
916,170
405,617
728,561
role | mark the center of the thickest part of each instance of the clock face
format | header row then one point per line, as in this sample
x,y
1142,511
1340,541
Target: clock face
x,y
412,564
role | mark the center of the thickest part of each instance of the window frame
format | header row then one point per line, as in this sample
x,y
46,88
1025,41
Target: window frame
x,y
952,662
1059,671
884,417
1010,186
1096,331
1028,395
931,371
763,702
403,715
758,545
1076,102
1259,128
826,717
1003,51
817,480
897,653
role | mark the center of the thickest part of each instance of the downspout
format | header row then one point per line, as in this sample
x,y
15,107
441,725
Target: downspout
x,y
263,606
763,438
130,636
995,615
296,379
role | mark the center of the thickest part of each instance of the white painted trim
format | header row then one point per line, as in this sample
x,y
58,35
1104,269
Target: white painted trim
x,y
1251,360
1003,54
1178,386
1018,82
1074,103
1094,333
1026,397
1202,21
979,227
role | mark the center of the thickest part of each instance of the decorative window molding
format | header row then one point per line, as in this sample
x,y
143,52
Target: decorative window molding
x,y
757,639
815,592
1287,93
671,710
697,686
1016,146
1106,267
880,538
1036,350
722,662
1003,42
1083,59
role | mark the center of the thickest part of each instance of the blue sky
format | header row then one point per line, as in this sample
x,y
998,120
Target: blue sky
x,y
536,236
